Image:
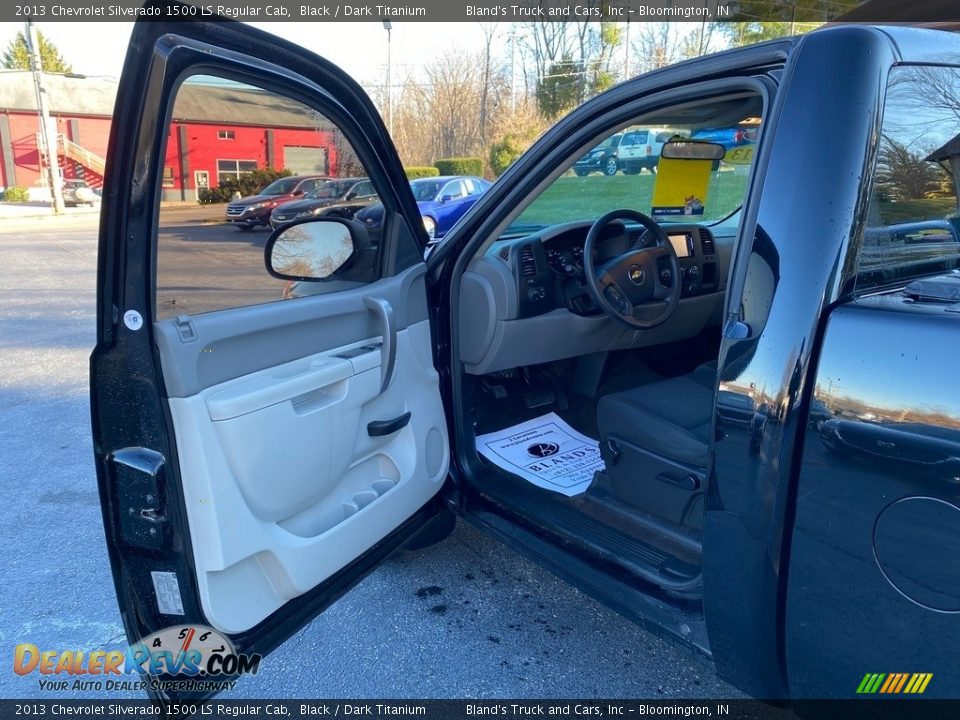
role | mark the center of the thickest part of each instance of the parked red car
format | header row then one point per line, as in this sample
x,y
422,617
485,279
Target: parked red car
x,y
246,213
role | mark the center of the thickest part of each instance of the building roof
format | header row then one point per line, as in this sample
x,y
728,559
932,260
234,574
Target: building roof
x,y
243,106
196,102
65,95
949,149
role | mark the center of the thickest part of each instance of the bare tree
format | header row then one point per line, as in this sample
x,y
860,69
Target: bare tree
x,y
656,45
451,110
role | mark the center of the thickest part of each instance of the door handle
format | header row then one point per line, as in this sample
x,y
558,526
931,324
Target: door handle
x,y
380,428
388,326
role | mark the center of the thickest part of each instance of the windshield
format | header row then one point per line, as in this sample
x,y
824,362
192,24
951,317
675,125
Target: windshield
x,y
283,186
671,190
425,189
328,189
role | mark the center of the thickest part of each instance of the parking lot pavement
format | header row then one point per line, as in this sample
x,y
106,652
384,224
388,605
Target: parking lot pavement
x,y
466,618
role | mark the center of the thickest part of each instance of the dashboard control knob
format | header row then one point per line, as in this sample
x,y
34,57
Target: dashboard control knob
x,y
694,273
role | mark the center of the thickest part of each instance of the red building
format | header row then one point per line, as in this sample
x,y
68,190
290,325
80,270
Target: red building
x,y
216,131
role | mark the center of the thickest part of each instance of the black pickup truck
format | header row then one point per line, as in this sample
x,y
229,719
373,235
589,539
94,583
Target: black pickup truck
x,y
731,416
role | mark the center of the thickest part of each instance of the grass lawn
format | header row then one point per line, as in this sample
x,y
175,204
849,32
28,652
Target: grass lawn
x,y
575,198
913,210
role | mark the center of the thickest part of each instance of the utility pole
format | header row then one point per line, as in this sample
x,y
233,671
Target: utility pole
x,y
388,26
513,69
49,149
703,30
626,53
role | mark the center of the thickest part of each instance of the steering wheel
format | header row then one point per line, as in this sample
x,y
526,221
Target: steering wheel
x,y
627,287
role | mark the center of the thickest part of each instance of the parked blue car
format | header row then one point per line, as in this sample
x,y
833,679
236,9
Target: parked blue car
x,y
441,200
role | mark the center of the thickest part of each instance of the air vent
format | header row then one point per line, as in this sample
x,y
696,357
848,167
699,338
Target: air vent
x,y
504,253
528,264
706,244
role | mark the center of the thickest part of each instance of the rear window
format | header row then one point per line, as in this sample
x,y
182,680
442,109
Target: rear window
x,y
913,223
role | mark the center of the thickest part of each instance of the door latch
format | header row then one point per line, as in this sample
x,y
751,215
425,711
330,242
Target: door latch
x,y
138,475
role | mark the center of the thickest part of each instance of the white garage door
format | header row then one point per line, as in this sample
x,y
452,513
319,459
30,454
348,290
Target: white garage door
x,y
305,160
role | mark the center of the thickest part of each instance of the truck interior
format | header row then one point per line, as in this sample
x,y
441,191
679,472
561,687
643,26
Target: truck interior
x,y
606,394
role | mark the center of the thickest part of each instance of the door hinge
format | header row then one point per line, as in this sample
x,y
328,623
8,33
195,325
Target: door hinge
x,y
138,476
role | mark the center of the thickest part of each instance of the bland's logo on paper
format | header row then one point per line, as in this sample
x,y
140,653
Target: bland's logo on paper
x,y
543,449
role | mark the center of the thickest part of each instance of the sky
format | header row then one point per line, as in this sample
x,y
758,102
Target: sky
x,y
360,48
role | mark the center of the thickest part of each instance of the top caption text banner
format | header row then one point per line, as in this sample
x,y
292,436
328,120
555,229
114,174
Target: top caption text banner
x,y
450,11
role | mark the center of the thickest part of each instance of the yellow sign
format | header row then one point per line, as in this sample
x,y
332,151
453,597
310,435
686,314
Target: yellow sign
x,y
681,187
742,155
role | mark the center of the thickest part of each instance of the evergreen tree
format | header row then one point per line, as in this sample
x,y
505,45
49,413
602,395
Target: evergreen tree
x,y
17,55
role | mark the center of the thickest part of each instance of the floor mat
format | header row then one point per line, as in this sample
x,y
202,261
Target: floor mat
x,y
546,452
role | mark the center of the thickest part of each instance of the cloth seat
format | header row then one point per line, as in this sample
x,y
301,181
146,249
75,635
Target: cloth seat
x,y
671,418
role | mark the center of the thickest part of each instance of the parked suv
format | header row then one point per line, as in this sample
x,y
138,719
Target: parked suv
x,y
640,148
603,158
77,192
246,213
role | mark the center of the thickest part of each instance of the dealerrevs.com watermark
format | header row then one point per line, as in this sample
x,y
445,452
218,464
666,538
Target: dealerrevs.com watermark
x,y
182,658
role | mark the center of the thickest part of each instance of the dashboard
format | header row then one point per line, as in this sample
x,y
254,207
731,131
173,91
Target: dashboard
x,y
525,300
549,271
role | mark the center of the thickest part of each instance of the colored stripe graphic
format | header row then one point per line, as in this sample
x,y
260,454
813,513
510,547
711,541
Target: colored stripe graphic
x,y
891,680
894,683
903,681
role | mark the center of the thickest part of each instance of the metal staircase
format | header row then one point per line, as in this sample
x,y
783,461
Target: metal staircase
x,y
84,164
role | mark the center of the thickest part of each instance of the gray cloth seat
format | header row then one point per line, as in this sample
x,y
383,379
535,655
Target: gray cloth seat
x,y
670,418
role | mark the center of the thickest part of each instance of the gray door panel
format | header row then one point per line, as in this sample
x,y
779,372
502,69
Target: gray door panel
x,y
224,345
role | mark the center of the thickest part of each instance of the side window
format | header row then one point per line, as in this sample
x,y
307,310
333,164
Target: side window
x,y
473,187
454,189
307,186
913,226
363,189
210,239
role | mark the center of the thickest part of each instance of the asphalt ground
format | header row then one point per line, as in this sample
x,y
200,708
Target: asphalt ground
x,y
468,618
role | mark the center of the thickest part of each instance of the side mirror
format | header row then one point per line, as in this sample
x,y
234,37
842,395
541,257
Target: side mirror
x,y
446,198
350,195
314,249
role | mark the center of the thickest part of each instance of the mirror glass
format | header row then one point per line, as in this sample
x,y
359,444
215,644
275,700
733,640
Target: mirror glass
x,y
311,250
686,150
